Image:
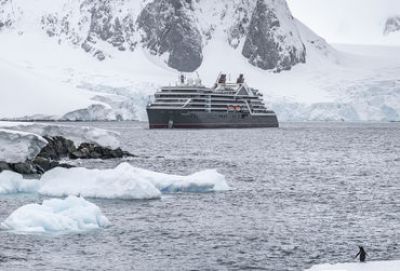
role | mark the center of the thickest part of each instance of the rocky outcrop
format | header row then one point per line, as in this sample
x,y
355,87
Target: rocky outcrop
x,y
58,148
177,31
272,42
392,25
93,151
6,14
98,21
168,29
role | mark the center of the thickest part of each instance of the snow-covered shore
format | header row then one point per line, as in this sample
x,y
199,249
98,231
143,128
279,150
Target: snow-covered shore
x,y
367,266
22,141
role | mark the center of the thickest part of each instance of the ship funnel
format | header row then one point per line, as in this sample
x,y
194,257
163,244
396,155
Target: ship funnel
x,y
240,79
222,78
182,78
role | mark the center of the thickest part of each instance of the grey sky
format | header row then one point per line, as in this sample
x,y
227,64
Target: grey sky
x,y
346,21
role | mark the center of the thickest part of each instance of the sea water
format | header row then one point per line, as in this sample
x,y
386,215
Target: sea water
x,y
303,194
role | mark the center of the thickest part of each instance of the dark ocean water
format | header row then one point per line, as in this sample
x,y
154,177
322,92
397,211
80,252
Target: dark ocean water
x,y
304,194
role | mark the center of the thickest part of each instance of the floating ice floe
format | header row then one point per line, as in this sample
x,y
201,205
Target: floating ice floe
x,y
11,182
126,182
367,266
72,214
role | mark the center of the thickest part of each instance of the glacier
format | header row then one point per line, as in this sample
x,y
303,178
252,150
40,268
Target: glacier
x,y
72,214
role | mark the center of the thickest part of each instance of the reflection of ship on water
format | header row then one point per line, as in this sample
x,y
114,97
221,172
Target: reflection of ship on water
x,y
189,104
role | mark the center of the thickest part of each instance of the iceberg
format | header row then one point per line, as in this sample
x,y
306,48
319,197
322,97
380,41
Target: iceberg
x,y
11,182
367,266
73,214
126,182
118,183
204,181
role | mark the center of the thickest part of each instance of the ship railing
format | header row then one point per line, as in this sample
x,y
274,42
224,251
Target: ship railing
x,y
187,102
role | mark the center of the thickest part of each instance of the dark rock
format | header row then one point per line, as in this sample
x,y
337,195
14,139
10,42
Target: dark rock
x,y
65,165
59,147
45,164
100,55
4,166
266,47
392,25
168,28
87,46
26,168
94,151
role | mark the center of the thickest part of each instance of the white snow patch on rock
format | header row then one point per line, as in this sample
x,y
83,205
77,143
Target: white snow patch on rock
x,y
368,266
11,182
72,214
78,134
17,146
126,182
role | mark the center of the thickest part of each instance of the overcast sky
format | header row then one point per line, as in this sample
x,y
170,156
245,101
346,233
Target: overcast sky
x,y
346,21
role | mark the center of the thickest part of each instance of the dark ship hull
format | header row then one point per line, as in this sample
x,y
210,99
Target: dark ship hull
x,y
181,118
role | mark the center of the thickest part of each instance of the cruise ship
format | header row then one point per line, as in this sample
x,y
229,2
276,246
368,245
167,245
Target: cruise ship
x,y
189,104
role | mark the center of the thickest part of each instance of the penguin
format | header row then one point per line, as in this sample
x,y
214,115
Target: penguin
x,y
362,254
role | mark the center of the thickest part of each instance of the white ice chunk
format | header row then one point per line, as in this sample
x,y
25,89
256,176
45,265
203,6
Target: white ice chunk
x,y
118,183
56,215
203,181
367,266
11,182
126,182
16,146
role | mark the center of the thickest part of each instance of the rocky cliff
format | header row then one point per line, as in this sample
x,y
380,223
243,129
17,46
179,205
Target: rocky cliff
x,y
177,31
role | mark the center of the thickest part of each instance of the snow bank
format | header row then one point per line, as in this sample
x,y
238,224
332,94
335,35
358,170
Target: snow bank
x,y
78,134
368,266
126,182
16,146
11,182
56,215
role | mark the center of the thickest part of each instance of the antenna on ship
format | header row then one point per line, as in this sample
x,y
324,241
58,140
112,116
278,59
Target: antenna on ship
x,y
240,79
198,81
182,78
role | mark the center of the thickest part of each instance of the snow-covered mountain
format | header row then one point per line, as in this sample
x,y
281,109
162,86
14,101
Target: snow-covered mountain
x,y
392,25
175,30
106,56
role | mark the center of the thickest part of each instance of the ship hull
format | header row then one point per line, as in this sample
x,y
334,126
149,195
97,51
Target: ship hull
x,y
181,118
